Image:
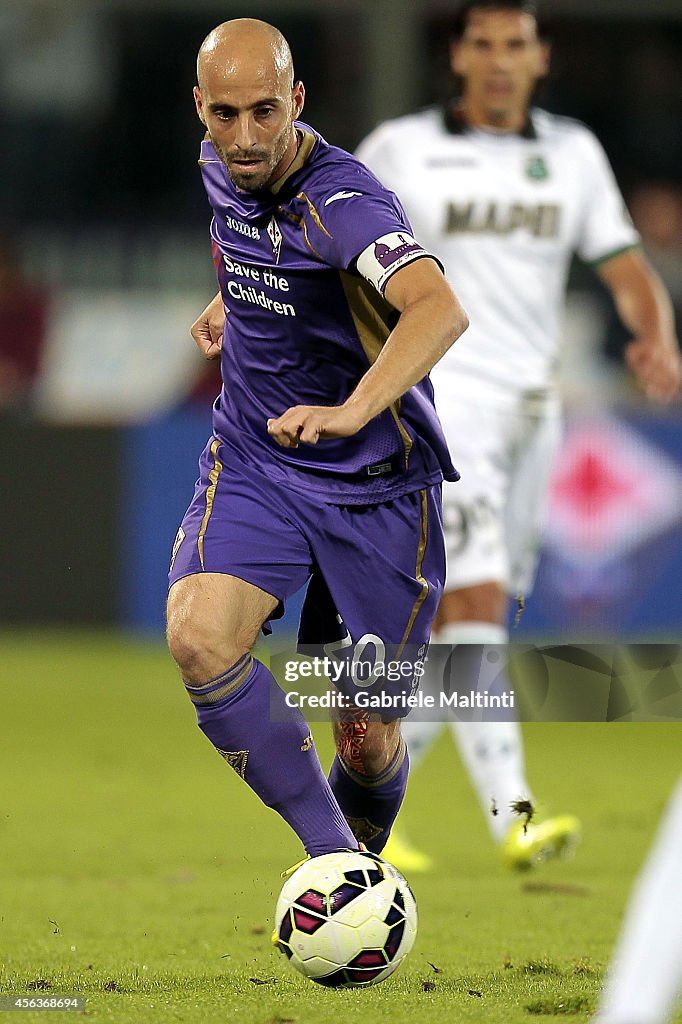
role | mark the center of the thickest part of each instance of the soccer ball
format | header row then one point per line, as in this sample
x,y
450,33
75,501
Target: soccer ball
x,y
346,919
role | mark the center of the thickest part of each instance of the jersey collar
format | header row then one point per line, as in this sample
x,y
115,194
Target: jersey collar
x,y
306,146
455,124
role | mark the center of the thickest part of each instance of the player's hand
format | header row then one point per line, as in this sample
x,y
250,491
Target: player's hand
x,y
306,424
657,366
207,329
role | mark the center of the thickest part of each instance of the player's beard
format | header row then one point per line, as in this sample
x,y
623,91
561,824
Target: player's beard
x,y
497,116
511,106
252,181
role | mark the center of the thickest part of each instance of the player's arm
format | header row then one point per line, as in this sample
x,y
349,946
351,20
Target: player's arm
x,y
431,319
207,329
644,306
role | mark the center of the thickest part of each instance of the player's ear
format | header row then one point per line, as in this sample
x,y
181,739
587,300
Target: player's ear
x,y
456,57
198,103
297,98
544,59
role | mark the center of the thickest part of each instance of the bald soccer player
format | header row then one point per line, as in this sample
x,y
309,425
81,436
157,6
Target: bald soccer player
x,y
326,458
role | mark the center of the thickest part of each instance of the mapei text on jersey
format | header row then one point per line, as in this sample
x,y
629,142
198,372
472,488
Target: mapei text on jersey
x,y
541,219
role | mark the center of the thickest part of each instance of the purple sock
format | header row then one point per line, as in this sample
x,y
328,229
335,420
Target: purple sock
x,y
371,802
244,715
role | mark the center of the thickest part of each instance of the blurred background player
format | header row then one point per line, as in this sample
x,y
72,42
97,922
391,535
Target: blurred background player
x,y
644,982
332,304
656,210
504,194
24,315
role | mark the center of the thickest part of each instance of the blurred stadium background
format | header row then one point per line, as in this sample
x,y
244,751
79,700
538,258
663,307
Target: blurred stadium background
x,y
104,408
104,263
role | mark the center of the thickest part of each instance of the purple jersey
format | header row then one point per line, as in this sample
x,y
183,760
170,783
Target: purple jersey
x,y
302,267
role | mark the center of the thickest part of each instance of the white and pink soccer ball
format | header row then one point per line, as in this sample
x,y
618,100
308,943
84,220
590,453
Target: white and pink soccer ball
x,y
346,919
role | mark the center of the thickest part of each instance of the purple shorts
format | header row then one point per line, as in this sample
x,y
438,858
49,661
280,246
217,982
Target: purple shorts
x,y
376,571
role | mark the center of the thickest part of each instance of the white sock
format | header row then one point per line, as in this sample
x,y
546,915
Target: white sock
x,y
492,752
422,728
645,978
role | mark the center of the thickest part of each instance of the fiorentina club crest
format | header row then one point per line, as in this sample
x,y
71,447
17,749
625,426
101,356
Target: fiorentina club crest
x,y
612,492
275,236
236,759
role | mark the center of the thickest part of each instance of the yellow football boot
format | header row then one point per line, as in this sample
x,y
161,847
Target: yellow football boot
x,y
523,848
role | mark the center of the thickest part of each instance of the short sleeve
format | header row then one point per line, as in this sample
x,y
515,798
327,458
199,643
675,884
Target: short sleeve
x,y
361,225
606,227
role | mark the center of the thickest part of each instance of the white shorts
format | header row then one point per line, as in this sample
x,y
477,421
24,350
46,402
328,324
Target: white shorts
x,y
504,446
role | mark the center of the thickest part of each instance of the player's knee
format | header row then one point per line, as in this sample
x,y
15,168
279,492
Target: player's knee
x,y
199,648
376,752
367,747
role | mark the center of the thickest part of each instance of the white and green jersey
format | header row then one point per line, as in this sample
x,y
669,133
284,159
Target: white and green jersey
x,y
504,213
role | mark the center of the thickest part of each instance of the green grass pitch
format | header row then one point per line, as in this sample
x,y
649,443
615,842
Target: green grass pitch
x,y
139,872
